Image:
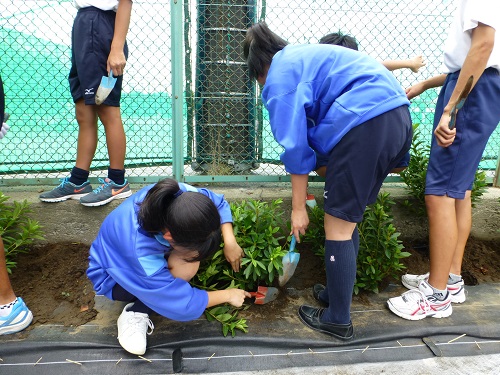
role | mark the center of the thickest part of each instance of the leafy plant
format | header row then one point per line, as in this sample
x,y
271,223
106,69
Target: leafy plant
x,y
380,250
257,227
17,229
414,176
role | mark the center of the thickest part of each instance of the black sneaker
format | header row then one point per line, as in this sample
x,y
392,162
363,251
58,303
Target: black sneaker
x,y
310,316
317,289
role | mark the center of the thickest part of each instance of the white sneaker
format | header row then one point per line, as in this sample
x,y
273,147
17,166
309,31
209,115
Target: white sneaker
x,y
132,330
457,290
420,303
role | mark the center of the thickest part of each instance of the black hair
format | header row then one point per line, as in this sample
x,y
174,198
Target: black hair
x,y
191,218
339,39
259,47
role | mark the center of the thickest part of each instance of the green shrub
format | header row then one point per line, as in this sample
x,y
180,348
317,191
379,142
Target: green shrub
x,y
17,229
380,250
257,227
414,175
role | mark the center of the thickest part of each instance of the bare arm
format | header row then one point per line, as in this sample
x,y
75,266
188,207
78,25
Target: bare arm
x,y
116,58
483,39
235,297
429,83
414,64
300,219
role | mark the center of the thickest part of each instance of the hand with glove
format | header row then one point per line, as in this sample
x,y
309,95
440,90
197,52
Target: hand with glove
x,y
4,128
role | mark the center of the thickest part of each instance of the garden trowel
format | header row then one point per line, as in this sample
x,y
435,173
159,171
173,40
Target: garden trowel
x,y
290,260
105,88
264,294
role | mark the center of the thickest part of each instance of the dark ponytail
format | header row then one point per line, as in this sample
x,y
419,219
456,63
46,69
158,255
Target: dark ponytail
x,y
259,47
191,218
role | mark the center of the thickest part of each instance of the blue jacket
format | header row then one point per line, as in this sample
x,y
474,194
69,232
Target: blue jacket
x,y
123,253
316,93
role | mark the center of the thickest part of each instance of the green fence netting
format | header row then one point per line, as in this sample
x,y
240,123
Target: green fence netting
x,y
225,130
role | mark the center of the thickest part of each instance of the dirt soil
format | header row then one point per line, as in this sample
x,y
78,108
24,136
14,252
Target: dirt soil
x,y
52,280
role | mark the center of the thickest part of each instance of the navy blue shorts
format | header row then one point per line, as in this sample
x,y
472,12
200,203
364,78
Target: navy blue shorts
x,y
91,38
452,169
322,161
361,161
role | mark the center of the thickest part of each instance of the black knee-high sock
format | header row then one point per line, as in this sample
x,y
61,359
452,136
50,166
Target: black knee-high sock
x,y
340,261
355,241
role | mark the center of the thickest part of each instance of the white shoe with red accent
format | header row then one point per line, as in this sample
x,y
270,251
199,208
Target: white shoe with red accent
x,y
457,289
420,303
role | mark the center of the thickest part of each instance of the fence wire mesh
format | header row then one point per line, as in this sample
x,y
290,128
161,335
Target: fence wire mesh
x,y
225,128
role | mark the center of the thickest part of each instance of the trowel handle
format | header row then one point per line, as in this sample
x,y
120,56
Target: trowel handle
x,y
293,242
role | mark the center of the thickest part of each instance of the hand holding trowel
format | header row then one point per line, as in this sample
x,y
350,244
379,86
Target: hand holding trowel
x,y
105,88
290,260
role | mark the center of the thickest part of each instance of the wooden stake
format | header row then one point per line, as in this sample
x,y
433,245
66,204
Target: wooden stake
x,y
36,363
211,356
456,338
118,361
141,357
364,350
76,363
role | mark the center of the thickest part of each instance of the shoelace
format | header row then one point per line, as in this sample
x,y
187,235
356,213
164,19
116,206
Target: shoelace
x,y
64,181
416,295
104,184
136,321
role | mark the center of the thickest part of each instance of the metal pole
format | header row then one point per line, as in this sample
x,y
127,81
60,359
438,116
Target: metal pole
x,y
177,89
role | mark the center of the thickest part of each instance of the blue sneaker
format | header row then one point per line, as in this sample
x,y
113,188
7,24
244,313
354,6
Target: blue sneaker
x,y
66,190
106,193
19,318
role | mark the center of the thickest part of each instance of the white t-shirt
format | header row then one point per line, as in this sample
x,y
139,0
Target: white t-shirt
x,y
467,17
100,4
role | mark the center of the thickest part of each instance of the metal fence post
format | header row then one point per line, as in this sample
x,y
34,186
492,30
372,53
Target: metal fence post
x,y
176,7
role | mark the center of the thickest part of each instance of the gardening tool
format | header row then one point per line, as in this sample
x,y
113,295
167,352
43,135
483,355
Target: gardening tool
x,y
105,88
290,260
460,102
264,294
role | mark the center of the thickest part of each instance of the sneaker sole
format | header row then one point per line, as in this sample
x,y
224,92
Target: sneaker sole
x,y
439,314
123,195
62,199
19,326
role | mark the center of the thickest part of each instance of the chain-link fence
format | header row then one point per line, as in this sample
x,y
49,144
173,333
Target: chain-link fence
x,y
223,133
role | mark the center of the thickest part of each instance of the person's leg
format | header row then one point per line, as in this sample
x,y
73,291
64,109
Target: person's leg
x,y
443,236
7,294
340,263
86,117
463,209
14,314
115,135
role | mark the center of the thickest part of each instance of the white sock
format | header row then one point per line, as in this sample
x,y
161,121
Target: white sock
x,y
6,309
